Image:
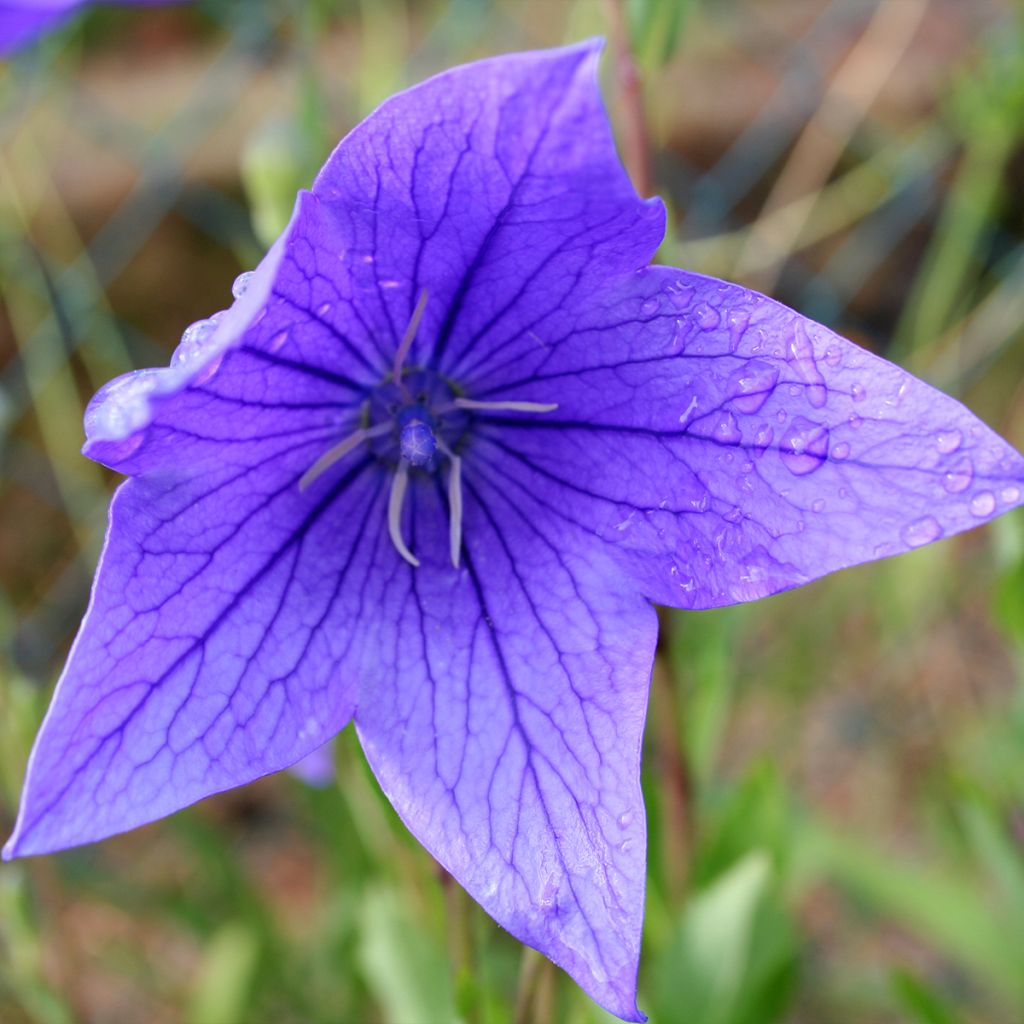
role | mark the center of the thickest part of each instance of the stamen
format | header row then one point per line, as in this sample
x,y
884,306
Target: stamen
x,y
409,336
339,451
455,509
454,503
395,502
511,406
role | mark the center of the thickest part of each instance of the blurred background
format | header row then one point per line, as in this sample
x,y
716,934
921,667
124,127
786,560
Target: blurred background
x,y
834,777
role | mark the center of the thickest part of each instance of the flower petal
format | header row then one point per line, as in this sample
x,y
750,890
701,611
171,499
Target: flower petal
x,y
726,447
495,187
211,649
502,711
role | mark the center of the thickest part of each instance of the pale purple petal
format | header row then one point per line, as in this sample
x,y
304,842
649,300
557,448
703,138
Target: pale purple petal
x,y
210,651
496,187
501,709
726,448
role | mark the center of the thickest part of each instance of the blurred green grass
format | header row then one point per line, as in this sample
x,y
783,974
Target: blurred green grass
x,y
834,777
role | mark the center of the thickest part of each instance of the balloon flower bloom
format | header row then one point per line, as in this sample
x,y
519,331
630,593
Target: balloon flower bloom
x,y
432,470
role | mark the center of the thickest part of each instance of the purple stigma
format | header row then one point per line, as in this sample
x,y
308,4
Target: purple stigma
x,y
416,439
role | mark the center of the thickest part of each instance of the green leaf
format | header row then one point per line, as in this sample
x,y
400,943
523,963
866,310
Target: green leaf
x,y
407,973
721,963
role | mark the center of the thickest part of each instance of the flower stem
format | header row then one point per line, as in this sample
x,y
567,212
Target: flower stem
x,y
636,141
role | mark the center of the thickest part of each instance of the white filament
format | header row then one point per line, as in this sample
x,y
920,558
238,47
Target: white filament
x,y
409,336
455,509
339,451
509,406
395,501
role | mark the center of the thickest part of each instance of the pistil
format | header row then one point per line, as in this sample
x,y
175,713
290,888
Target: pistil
x,y
422,430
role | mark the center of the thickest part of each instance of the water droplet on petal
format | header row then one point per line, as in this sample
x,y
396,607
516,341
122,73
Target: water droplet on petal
x,y
734,515
625,819
800,354
1010,495
241,283
548,894
947,441
707,317
649,306
803,447
323,309
983,504
818,505
959,478
726,430
688,411
764,436
737,320
122,406
841,451
194,341
680,295
277,341
858,392
833,355
751,385
921,531
856,422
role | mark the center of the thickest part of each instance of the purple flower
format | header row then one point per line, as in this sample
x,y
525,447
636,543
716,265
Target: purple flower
x,y
430,471
21,21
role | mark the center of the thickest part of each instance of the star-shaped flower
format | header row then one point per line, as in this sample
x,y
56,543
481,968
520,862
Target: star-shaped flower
x,y
430,471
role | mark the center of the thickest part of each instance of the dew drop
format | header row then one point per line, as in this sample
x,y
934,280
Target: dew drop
x,y
688,411
737,320
680,295
751,385
803,448
726,430
858,392
625,819
948,441
833,355
764,436
241,283
122,406
921,531
193,341
1010,494
707,317
276,343
983,504
856,422
818,505
680,332
800,354
734,515
548,894
841,451
959,478
323,309
649,306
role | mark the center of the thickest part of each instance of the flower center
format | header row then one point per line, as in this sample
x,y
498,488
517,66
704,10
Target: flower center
x,y
415,420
